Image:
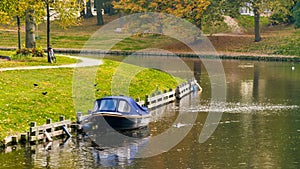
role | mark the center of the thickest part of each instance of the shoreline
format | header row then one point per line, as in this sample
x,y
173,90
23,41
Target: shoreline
x,y
212,55
35,91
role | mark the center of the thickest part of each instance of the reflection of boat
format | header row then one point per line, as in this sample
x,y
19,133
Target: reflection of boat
x,y
112,148
119,112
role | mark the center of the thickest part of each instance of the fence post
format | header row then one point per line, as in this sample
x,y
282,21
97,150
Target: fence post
x,y
78,117
146,100
46,132
177,93
31,132
48,121
23,138
61,118
14,140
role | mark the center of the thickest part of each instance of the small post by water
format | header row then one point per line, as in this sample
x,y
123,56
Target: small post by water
x,y
24,137
48,121
14,139
78,116
61,118
146,100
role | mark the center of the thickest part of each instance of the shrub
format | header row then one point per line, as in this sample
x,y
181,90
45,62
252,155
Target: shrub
x,y
38,52
24,52
280,18
35,52
296,14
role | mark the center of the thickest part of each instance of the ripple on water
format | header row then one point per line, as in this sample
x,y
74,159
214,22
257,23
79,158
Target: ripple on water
x,y
239,108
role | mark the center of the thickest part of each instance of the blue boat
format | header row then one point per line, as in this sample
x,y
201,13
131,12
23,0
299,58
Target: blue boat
x,y
120,112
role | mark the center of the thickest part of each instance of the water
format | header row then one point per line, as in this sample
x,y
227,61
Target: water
x,y
258,129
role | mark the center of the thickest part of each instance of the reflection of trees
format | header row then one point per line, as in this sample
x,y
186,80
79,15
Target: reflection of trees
x,y
197,70
257,139
256,83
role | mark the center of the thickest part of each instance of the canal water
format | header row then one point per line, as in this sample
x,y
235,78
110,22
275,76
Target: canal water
x,y
260,128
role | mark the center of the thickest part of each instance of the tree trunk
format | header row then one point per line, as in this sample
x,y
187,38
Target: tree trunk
x,y
48,31
256,24
99,6
19,32
111,10
255,93
82,12
89,13
199,24
30,29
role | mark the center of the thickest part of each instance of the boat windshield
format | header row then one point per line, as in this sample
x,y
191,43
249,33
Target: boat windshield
x,y
108,105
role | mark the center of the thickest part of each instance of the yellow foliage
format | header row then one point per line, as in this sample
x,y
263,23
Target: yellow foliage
x,y
67,10
188,9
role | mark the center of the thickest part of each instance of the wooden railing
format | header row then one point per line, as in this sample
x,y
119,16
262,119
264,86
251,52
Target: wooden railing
x,y
162,98
44,132
158,99
49,130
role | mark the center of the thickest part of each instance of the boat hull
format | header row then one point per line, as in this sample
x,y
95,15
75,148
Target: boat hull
x,y
118,122
123,123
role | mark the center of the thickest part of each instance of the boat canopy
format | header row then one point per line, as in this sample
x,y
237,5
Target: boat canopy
x,y
119,104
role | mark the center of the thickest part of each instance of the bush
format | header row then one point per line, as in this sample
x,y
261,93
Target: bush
x,y
38,52
24,52
35,52
296,15
280,18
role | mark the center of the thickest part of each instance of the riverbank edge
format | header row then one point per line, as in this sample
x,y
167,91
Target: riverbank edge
x,y
155,100
213,55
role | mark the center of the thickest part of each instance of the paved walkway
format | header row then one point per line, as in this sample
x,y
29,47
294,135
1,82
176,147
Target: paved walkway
x,y
85,62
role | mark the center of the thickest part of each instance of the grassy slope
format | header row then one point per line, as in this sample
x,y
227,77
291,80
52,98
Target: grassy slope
x,y
30,61
247,22
278,40
21,102
281,40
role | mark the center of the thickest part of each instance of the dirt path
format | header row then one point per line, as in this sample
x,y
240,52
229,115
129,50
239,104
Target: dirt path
x,y
233,24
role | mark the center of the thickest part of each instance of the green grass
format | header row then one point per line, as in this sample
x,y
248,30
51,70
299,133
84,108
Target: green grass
x,y
143,41
280,41
221,27
18,61
6,53
21,102
247,22
288,45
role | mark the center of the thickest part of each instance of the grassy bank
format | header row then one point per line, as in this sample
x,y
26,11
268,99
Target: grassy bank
x,y
284,40
247,23
35,95
21,61
279,40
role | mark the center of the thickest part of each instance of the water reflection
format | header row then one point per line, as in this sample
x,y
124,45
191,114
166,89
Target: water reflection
x,y
112,150
258,128
78,152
